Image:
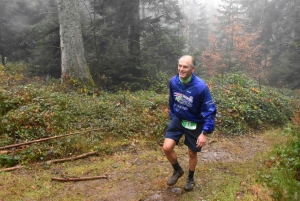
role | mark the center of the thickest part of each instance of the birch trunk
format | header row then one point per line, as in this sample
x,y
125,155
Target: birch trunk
x,y
73,63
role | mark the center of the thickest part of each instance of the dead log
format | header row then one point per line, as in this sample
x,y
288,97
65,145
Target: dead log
x,y
11,169
72,158
45,139
78,178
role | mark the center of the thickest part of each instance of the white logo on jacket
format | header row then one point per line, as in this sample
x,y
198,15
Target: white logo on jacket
x,y
183,99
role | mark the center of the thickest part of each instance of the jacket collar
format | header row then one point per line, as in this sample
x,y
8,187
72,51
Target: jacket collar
x,y
190,83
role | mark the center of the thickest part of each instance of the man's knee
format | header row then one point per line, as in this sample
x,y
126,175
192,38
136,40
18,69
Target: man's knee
x,y
168,145
192,154
167,148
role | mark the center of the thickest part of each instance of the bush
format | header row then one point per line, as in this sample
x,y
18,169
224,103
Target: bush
x,y
32,112
36,111
12,73
160,84
242,105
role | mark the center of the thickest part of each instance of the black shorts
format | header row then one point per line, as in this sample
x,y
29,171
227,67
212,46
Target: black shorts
x,y
176,130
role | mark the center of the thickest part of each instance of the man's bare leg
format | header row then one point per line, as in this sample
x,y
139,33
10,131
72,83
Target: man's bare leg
x,y
192,166
171,155
192,160
168,148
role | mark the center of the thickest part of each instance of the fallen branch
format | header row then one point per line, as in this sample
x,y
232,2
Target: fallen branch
x,y
71,158
78,178
45,139
53,161
212,141
11,169
12,151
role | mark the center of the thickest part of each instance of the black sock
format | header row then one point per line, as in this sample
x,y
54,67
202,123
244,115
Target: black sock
x,y
176,166
191,174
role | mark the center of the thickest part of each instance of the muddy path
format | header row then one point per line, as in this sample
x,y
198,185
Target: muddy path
x,y
215,160
139,172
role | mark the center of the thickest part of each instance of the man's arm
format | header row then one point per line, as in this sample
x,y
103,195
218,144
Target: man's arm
x,y
208,111
171,100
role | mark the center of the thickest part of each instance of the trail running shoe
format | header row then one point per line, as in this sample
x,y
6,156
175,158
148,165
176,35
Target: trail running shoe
x,y
189,185
176,175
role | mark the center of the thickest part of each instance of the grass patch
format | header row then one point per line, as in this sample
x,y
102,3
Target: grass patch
x,y
237,179
283,172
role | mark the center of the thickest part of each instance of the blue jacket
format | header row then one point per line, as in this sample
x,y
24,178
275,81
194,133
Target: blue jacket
x,y
192,102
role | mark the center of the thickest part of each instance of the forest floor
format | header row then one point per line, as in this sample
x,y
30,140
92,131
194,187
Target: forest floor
x,y
227,169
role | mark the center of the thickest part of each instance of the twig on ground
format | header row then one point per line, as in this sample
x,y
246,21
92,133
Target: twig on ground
x,y
53,161
72,158
11,168
78,178
45,139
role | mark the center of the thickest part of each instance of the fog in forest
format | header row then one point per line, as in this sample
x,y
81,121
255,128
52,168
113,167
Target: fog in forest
x,y
126,41
88,87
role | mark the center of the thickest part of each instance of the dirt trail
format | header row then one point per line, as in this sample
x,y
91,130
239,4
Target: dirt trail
x,y
220,150
140,172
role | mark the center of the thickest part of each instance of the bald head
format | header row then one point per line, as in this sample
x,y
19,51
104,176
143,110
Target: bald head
x,y
186,67
190,59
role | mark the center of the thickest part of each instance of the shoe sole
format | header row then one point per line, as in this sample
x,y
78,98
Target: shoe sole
x,y
189,189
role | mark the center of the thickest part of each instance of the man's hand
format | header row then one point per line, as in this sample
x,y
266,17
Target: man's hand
x,y
201,141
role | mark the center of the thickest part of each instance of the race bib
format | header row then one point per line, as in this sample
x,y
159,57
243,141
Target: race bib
x,y
189,124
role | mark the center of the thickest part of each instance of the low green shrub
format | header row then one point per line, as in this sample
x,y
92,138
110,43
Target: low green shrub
x,y
36,111
243,105
160,83
283,172
33,111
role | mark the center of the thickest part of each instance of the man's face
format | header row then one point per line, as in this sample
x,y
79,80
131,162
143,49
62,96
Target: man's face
x,y
184,68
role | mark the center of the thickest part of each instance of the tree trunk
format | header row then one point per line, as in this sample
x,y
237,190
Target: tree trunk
x,y
73,63
2,12
134,35
1,47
